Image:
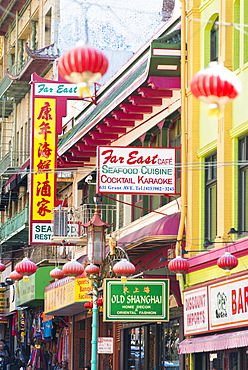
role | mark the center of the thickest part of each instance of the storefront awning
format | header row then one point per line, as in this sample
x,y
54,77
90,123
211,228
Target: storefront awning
x,y
214,342
164,228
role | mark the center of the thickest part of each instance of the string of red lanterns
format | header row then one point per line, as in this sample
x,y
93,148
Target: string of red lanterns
x,y
124,268
26,268
15,276
83,65
57,273
227,262
215,85
73,268
179,265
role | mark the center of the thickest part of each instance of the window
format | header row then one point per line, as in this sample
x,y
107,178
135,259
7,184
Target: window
x,y
243,184
211,197
48,19
214,40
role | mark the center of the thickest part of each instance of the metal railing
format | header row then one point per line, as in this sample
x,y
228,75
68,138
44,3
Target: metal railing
x,y
68,221
15,223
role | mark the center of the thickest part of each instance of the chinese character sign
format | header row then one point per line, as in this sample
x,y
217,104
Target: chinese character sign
x,y
136,300
43,161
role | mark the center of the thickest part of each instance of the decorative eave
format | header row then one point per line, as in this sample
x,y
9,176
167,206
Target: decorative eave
x,y
145,85
17,85
38,62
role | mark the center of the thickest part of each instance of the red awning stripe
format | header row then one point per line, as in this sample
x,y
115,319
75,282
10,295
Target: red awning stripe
x,y
214,342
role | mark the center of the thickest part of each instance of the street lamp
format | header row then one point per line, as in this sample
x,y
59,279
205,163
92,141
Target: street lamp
x,y
95,252
100,266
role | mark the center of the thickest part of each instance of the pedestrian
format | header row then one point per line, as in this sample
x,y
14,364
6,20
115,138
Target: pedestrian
x,y
215,364
6,347
87,368
4,356
29,367
64,365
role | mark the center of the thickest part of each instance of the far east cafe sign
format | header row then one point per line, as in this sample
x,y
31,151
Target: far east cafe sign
x,y
49,106
136,170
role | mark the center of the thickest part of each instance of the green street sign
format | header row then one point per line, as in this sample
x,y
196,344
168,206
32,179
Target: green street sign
x,y
136,300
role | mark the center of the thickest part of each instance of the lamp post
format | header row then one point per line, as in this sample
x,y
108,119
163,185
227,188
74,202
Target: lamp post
x,y
101,266
95,252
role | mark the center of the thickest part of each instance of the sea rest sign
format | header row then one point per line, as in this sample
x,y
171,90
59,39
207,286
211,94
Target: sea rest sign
x,y
135,170
136,300
43,232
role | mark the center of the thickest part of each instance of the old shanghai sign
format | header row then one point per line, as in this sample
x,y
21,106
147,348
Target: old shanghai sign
x,y
135,170
136,300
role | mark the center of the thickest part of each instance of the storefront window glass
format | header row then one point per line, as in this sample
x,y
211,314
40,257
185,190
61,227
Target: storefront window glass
x,y
136,355
216,361
233,360
170,339
152,346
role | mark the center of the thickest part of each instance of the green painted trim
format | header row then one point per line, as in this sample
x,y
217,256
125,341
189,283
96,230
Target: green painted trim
x,y
235,144
240,130
207,149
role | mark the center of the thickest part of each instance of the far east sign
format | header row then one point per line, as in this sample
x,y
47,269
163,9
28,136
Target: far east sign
x,y
136,300
132,170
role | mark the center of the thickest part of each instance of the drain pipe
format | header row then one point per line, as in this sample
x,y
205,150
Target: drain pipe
x,y
183,142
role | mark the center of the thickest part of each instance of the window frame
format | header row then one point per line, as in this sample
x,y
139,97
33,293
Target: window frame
x,y
211,196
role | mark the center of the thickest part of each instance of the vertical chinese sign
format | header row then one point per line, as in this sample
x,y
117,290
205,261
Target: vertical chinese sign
x,y
43,165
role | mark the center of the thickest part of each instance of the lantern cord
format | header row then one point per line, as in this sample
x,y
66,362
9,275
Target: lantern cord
x,y
237,26
133,205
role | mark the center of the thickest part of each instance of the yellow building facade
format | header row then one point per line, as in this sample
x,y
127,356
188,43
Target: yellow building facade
x,y
216,194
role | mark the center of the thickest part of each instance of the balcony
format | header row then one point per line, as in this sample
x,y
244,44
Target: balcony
x,y
16,82
13,89
8,165
15,230
68,221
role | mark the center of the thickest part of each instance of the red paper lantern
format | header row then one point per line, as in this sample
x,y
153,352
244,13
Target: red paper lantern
x,y
124,268
100,304
2,267
89,306
178,265
72,268
57,273
227,262
215,85
26,268
83,65
15,276
92,269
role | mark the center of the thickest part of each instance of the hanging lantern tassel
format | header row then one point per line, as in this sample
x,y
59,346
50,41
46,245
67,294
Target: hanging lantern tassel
x,y
83,65
215,85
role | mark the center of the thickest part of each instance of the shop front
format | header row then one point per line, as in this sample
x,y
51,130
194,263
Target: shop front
x,y
215,324
30,333
151,322
66,298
